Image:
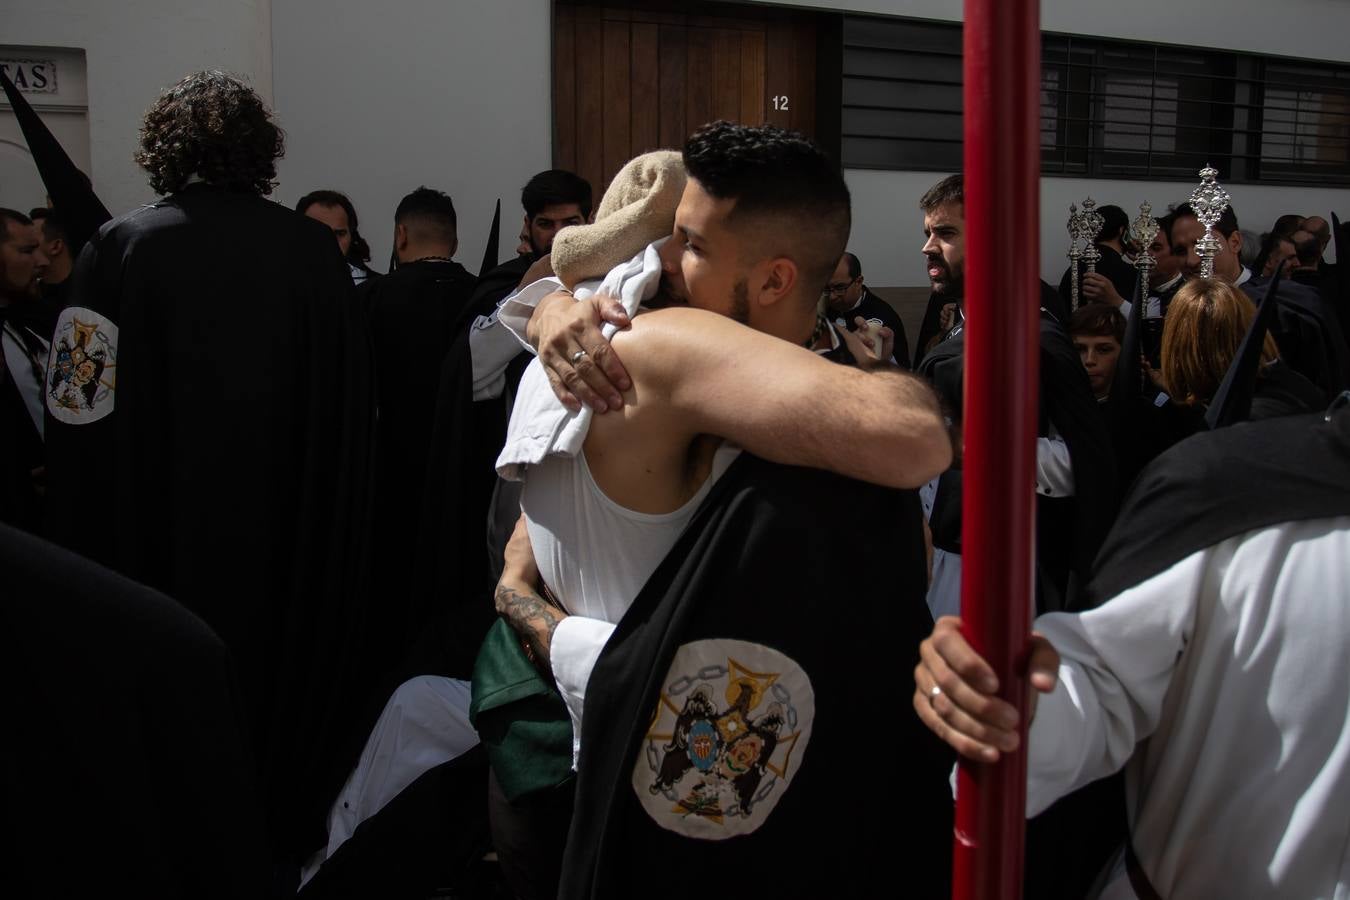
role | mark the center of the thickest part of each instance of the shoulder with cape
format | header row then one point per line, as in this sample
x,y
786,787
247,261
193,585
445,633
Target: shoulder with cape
x,y
1216,485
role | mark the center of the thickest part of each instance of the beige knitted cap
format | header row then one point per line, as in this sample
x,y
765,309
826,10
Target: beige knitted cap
x,y
638,208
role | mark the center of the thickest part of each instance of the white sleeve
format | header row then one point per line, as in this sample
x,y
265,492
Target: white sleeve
x,y
1054,468
1125,307
515,310
1116,666
492,346
577,642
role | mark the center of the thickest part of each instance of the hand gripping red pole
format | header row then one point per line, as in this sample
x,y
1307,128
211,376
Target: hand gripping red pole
x,y
1002,192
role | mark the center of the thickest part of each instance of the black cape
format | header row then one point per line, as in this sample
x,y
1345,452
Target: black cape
x,y
1123,276
1309,334
1069,530
415,314
230,467
126,762
870,306
21,450
1217,485
931,326
757,564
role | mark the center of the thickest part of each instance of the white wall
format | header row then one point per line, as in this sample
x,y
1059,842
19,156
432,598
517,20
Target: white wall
x,y
380,98
135,49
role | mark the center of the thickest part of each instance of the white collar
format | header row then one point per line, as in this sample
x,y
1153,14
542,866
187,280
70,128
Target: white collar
x,y
1167,286
1245,277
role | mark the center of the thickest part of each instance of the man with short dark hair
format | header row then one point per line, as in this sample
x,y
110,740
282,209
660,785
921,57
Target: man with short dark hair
x,y
1279,254
22,264
553,200
419,315
1074,510
209,421
643,526
1114,277
847,299
60,263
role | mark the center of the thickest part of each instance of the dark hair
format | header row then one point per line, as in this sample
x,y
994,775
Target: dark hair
x,y
854,267
951,189
1165,228
1098,320
1114,221
53,226
212,125
359,251
1226,225
1308,247
555,188
430,209
777,176
1269,241
1287,224
7,216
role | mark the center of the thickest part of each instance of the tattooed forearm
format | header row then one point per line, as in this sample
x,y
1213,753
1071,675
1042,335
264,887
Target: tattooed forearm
x,y
533,617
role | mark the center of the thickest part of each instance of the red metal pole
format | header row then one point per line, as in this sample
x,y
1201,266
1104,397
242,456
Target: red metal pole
x,y
1002,203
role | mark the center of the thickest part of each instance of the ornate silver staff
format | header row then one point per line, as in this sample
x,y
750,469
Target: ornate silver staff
x,y
1209,200
1145,229
1092,226
1075,230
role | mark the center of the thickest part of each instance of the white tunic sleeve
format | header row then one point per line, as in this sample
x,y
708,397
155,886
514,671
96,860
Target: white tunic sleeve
x,y
1116,665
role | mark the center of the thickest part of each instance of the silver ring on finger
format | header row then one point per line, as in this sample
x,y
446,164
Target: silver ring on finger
x,y
933,693
578,356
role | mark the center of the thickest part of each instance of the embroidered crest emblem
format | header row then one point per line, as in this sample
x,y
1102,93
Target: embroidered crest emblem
x,y
81,379
727,736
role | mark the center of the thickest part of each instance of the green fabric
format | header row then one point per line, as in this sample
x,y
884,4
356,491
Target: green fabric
x,y
519,716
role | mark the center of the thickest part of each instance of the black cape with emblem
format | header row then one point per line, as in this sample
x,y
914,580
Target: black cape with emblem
x,y
221,454
127,766
758,565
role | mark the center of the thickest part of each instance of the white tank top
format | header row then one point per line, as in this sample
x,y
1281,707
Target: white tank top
x,y
594,554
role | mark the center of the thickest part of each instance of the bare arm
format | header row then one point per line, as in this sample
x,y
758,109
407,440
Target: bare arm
x,y
785,403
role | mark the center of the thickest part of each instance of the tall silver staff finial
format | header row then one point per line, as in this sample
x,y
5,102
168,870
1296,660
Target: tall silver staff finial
x,y
1092,226
1209,200
1075,233
1145,229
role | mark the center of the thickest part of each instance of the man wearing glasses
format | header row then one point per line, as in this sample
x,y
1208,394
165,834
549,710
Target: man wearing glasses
x,y
847,299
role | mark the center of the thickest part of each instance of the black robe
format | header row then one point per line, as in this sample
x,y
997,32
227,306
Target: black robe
x,y
758,565
1069,530
1220,484
21,450
227,461
1123,277
870,307
415,313
1308,332
125,764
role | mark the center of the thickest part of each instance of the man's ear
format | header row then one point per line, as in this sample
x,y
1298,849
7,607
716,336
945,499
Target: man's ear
x,y
56,248
776,279
1234,242
454,246
400,238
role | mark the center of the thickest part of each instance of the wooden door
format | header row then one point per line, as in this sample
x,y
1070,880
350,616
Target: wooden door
x,y
631,79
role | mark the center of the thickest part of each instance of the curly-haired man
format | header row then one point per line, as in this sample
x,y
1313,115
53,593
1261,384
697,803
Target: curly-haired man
x,y
223,454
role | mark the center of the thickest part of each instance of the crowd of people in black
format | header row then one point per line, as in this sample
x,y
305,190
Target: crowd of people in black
x,y
312,573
